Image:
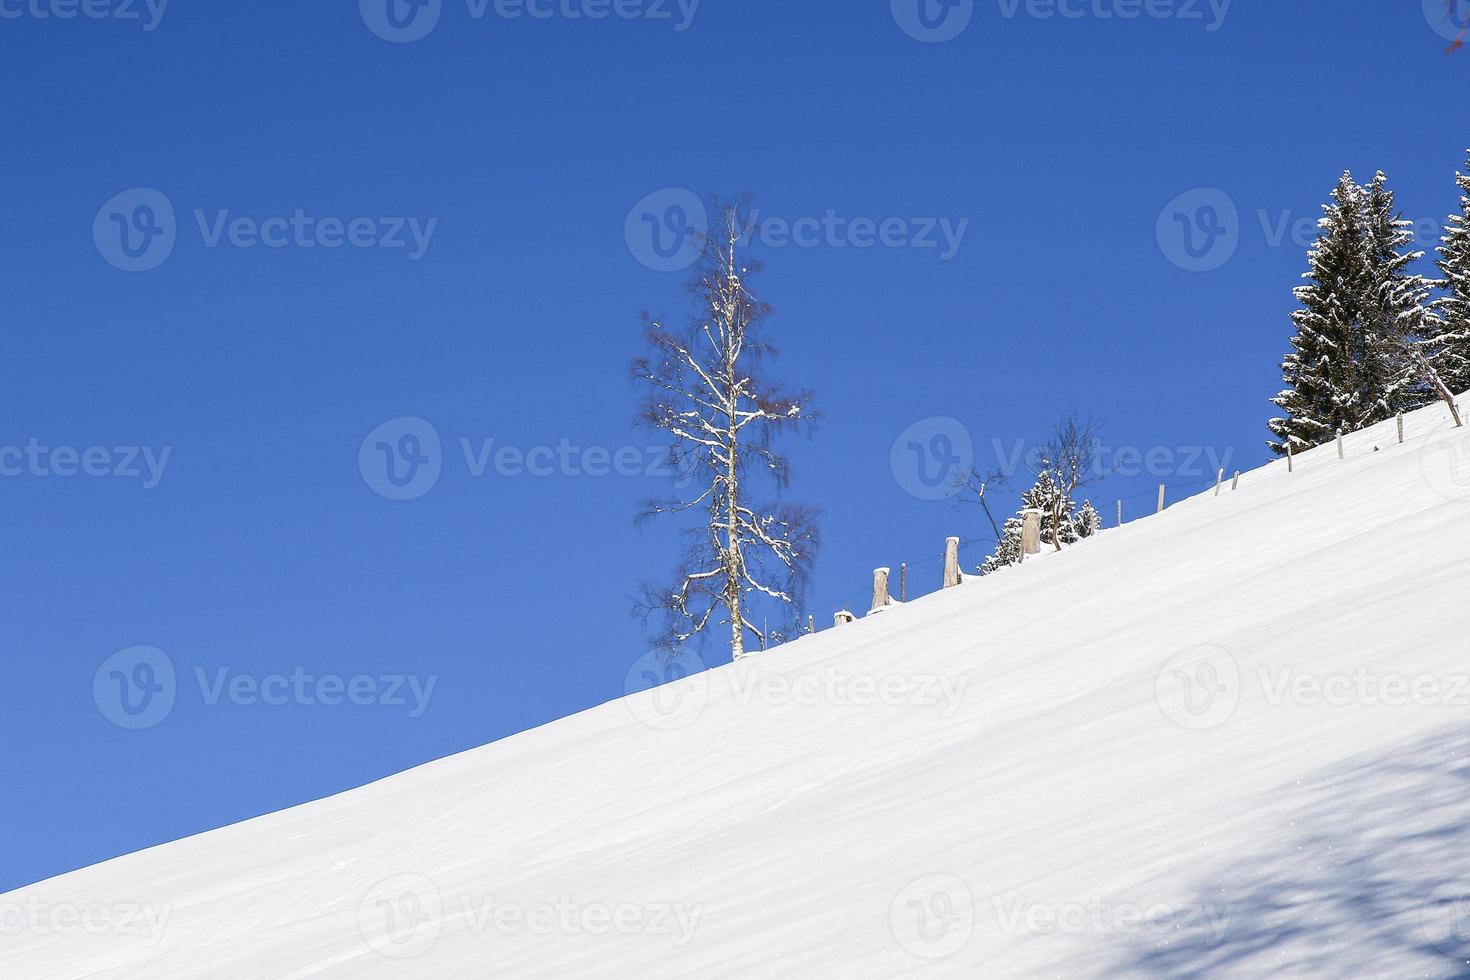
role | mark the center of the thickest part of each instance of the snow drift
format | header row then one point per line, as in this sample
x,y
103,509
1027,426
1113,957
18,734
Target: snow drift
x,y
1228,740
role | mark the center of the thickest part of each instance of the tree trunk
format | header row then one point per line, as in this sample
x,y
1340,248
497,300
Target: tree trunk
x,y
732,536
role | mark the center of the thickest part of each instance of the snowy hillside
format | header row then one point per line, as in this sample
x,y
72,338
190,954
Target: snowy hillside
x,y
1229,740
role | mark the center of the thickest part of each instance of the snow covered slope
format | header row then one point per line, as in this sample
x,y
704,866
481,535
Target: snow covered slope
x,y
1229,740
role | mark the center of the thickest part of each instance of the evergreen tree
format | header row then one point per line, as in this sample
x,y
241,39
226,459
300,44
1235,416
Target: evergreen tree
x,y
1088,521
1395,307
1049,498
1449,350
1348,366
1007,549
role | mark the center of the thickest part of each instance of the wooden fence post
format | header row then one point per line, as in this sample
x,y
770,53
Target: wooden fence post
x,y
1219,479
1120,513
1289,463
881,599
1339,444
1030,532
811,625
1401,428
903,581
1235,483
1161,498
951,562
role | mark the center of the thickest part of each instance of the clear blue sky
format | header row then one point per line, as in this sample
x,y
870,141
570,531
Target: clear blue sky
x,y
264,548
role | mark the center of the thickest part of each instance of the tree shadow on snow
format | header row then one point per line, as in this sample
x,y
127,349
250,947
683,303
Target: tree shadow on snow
x,y
1375,881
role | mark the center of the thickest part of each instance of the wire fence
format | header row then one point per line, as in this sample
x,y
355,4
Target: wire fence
x,y
924,574
920,575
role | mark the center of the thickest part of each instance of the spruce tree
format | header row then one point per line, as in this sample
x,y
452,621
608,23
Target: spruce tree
x,y
1007,549
1449,350
1348,366
1088,521
1395,307
1046,496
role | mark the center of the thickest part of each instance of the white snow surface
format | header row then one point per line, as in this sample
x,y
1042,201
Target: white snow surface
x,y
1124,787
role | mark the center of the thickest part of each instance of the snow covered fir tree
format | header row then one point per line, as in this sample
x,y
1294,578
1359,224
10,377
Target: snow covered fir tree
x,y
1351,362
1449,349
1048,497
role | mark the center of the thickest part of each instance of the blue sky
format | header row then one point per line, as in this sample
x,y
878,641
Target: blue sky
x,y
382,219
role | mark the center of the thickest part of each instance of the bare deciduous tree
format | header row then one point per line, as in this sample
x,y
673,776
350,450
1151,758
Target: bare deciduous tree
x,y
976,482
1070,456
1432,380
707,392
